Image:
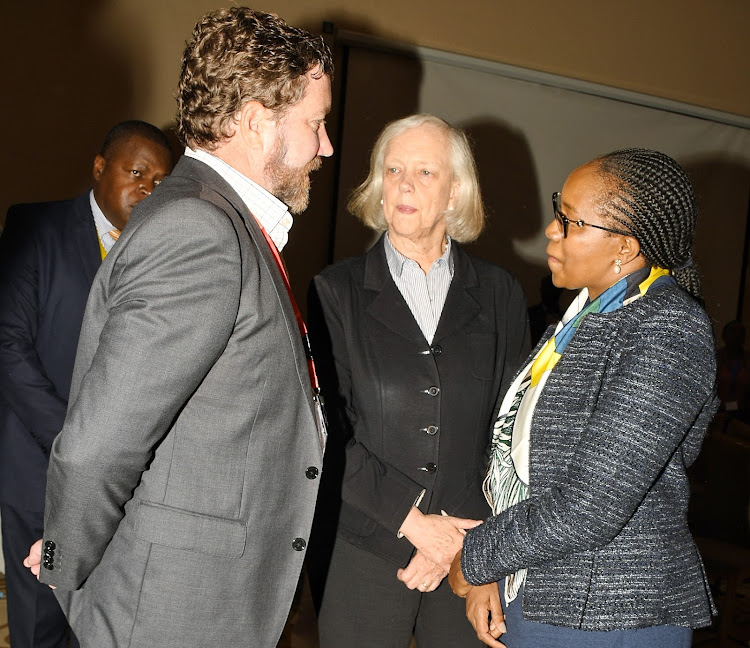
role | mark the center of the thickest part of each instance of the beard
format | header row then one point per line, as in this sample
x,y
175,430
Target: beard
x,y
290,185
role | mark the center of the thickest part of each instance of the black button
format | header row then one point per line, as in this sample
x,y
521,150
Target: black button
x,y
49,544
311,472
49,552
433,391
436,350
299,544
48,565
429,468
430,429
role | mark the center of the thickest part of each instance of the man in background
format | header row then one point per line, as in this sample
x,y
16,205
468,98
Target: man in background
x,y
181,490
49,254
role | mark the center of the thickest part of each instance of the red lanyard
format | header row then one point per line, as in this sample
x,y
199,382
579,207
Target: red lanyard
x,y
300,321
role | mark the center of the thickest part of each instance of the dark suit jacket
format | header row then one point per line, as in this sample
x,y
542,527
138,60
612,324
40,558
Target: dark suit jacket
x,y
181,489
49,254
414,416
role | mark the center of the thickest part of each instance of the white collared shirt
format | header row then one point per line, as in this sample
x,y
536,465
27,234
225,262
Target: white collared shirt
x,y
424,293
268,210
103,226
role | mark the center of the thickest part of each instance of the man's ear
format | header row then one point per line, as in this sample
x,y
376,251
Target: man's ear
x,y
256,125
99,164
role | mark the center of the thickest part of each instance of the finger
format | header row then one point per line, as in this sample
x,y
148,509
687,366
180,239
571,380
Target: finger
x,y
497,615
478,618
464,523
489,640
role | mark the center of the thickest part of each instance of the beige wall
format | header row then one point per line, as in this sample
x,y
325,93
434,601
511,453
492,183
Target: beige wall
x,y
72,69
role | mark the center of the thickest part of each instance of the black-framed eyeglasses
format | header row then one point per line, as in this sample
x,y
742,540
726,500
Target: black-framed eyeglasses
x,y
565,221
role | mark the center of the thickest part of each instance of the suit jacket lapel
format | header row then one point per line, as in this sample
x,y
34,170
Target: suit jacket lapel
x,y
202,173
84,236
388,306
460,306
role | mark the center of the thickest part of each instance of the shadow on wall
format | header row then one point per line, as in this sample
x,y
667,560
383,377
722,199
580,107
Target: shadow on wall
x,y
66,88
511,197
722,189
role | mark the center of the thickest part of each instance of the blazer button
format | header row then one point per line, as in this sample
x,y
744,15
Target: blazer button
x,y
430,468
433,391
430,429
299,544
311,472
436,350
49,544
48,564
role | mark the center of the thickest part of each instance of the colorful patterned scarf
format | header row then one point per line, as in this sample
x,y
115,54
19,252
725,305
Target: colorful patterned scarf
x,y
507,480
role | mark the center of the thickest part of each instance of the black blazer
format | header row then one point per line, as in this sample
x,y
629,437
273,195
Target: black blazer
x,y
405,415
49,254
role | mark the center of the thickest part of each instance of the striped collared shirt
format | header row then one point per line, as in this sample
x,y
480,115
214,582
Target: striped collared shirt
x,y
424,293
103,226
268,210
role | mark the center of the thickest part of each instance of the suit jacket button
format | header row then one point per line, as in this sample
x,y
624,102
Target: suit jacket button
x,y
436,350
430,429
433,391
49,544
430,468
48,564
299,544
311,472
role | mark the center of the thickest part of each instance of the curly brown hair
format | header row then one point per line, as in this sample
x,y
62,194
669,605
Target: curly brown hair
x,y
238,55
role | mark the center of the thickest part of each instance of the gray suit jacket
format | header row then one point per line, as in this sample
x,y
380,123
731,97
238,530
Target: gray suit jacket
x,y
604,532
181,490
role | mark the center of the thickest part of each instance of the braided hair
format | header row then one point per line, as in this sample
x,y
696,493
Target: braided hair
x,y
650,195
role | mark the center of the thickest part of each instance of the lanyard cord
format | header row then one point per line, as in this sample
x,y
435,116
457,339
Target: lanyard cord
x,y
300,321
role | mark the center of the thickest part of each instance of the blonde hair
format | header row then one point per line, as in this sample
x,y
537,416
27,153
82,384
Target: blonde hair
x,y
467,219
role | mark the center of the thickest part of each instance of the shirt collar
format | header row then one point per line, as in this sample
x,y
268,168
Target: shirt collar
x,y
269,211
396,260
103,226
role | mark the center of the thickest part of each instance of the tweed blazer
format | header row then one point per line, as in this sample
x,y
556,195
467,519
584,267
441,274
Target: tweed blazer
x,y
181,489
604,531
410,415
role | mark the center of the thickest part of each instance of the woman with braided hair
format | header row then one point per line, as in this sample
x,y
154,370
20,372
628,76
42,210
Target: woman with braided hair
x,y
589,543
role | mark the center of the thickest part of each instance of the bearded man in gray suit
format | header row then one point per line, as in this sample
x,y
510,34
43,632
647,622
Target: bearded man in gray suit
x,y
181,489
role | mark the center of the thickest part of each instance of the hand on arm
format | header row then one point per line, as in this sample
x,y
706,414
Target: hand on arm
x,y
421,574
438,537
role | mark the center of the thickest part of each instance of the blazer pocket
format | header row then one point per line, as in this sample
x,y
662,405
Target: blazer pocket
x,y
482,348
180,529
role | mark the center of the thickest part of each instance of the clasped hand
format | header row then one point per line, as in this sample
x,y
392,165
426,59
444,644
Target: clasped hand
x,y
437,539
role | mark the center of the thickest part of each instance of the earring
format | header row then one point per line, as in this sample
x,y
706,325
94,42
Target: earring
x,y
618,266
381,201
